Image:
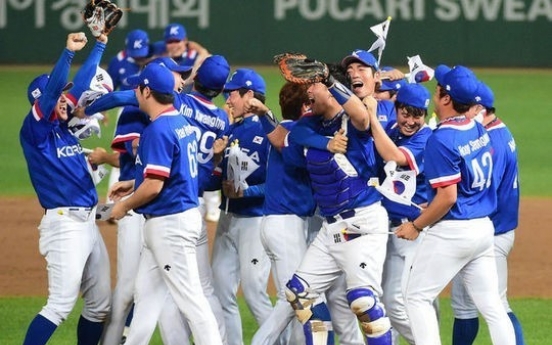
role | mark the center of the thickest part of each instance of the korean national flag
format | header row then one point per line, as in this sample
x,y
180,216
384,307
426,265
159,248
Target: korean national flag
x,y
399,186
240,166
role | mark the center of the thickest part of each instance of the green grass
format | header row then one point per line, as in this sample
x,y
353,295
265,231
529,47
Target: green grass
x,y
16,313
522,101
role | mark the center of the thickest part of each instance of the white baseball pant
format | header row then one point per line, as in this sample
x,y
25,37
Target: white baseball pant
x,y
453,247
238,256
168,267
77,261
462,304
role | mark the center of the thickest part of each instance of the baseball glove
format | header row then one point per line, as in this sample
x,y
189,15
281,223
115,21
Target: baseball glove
x,y
101,16
298,69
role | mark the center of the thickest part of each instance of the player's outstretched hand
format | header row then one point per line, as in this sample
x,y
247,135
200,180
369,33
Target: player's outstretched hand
x,y
407,232
338,144
120,189
76,41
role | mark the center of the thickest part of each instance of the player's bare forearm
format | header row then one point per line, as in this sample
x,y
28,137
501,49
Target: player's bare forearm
x,y
385,146
277,137
441,204
101,156
357,112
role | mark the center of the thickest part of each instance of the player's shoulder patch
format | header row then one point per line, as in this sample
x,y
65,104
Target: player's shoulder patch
x,y
258,140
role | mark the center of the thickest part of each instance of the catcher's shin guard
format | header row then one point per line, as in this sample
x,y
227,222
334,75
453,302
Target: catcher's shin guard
x,y
318,329
371,314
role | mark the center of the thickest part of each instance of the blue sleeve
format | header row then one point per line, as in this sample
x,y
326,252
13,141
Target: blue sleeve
x,y
303,133
254,191
84,75
112,100
57,81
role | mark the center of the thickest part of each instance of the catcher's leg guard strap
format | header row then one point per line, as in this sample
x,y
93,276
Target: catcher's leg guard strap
x,y
297,295
370,312
340,92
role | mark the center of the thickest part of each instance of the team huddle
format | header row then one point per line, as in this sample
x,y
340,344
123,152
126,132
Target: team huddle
x,y
301,199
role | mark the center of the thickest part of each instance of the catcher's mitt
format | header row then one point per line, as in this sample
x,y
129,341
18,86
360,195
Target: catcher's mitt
x,y
101,16
298,69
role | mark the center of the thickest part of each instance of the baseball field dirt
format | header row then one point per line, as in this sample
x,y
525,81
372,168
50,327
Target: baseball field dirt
x,y
23,273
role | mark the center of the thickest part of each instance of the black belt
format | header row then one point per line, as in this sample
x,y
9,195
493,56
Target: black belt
x,y
148,216
342,215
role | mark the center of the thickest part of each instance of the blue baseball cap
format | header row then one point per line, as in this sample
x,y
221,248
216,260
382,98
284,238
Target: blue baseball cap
x,y
155,76
414,95
248,79
484,95
172,65
137,44
38,85
213,72
175,32
361,56
158,48
459,82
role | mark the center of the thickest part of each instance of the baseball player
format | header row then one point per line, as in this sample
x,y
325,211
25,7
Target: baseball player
x,y
458,169
354,231
404,143
504,218
238,255
293,211
211,123
69,238
287,208
165,193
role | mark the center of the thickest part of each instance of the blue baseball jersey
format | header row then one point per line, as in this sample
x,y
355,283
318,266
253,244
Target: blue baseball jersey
x,y
330,195
413,148
130,126
212,123
168,150
55,160
505,177
459,152
287,187
83,77
253,142
120,68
